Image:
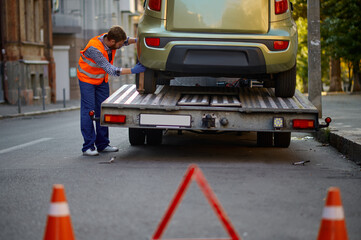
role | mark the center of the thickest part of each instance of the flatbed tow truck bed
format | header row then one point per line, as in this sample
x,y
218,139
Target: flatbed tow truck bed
x,y
210,109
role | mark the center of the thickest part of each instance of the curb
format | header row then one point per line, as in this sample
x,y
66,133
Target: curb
x,y
38,112
345,142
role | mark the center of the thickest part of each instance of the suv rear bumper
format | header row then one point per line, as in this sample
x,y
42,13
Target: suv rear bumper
x,y
158,57
216,60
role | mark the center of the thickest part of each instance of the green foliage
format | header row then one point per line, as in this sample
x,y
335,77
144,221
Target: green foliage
x,y
341,28
302,55
340,35
299,9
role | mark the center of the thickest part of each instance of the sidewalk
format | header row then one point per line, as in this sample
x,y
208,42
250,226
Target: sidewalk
x,y
345,129
11,111
344,133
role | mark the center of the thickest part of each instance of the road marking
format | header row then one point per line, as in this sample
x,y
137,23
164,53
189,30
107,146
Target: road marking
x,y
24,145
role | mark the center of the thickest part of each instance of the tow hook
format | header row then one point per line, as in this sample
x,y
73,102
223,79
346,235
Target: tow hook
x,y
208,121
327,121
92,116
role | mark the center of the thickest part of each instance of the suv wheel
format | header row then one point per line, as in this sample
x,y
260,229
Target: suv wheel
x,y
150,81
286,83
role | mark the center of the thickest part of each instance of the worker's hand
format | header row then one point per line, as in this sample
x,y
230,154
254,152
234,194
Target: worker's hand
x,y
138,68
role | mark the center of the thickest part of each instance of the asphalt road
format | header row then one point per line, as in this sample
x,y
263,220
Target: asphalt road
x,y
265,196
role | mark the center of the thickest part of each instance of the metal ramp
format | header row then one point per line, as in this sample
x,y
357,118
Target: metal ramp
x,y
207,100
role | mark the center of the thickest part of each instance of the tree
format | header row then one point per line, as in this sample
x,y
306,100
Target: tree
x,y
299,9
335,75
300,16
341,27
302,55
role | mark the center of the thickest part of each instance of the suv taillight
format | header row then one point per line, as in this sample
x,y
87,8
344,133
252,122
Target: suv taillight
x,y
155,5
281,6
152,42
280,45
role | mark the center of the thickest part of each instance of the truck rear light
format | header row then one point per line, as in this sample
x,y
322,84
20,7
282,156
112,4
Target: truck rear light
x,y
155,5
280,45
278,122
110,118
281,6
152,42
303,123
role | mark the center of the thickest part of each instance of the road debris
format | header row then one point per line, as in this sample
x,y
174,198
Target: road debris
x,y
301,162
108,162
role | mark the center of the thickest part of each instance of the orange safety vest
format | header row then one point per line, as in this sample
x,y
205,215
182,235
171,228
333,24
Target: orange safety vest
x,y
90,72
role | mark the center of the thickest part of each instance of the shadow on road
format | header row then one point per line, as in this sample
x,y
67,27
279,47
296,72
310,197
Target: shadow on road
x,y
192,147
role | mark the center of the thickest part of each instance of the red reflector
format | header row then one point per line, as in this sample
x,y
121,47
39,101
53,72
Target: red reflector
x,y
303,123
114,118
281,6
91,113
152,42
155,4
328,120
280,45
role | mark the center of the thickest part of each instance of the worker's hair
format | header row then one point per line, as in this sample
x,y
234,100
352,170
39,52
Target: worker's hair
x,y
116,33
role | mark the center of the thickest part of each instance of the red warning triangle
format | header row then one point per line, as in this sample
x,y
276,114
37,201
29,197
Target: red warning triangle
x,y
195,173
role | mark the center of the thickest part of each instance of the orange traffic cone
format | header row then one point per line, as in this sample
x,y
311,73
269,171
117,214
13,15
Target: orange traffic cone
x,y
58,226
333,224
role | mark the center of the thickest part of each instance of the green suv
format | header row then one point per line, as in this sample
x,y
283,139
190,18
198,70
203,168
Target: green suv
x,y
253,39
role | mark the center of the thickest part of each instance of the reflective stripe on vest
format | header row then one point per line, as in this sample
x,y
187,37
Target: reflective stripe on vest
x,y
90,63
89,74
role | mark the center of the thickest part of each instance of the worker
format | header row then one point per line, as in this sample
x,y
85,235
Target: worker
x,y
95,65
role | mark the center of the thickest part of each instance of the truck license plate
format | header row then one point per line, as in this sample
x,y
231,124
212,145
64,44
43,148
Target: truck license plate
x,y
165,120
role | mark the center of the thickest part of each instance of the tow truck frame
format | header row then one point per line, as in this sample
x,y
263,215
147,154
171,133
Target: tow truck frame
x,y
210,109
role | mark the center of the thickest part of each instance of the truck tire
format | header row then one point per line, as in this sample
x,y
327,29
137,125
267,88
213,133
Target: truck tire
x,y
265,139
154,136
285,84
150,81
136,136
282,139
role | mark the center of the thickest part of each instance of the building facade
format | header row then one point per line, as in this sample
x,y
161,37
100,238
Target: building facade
x,y
41,42
27,65
75,22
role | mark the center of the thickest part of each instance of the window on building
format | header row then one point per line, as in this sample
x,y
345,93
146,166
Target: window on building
x,y
29,16
33,20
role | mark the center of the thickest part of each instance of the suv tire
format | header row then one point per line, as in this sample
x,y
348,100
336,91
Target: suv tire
x,y
286,83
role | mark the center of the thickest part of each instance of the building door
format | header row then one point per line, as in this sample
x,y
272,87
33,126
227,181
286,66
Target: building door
x,y
61,58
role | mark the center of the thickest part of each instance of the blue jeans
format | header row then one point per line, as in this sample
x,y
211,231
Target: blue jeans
x,y
91,98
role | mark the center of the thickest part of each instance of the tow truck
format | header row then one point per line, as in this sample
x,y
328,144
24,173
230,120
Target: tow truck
x,y
210,109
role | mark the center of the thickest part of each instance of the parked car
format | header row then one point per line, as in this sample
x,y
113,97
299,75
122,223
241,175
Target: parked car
x,y
253,39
